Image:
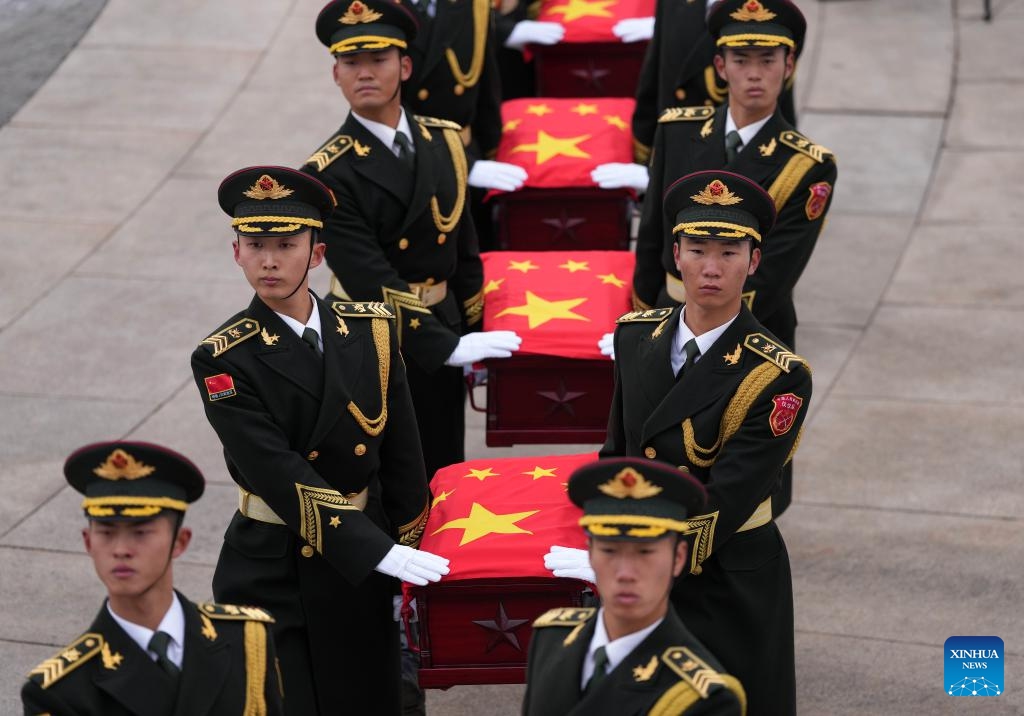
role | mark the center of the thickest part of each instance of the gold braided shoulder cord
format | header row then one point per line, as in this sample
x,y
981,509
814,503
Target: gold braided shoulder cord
x,y
445,224
255,669
382,343
789,179
736,412
481,16
796,444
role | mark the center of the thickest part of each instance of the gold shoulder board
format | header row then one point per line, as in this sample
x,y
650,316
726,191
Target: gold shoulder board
x,y
651,314
692,669
354,309
772,351
331,150
686,114
797,141
235,613
436,122
565,617
227,338
67,660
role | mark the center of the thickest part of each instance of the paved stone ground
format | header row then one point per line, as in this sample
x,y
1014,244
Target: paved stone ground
x,y
907,524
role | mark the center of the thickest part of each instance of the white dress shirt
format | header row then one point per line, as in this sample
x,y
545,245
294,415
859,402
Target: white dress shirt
x,y
615,650
385,133
313,322
704,341
173,623
747,133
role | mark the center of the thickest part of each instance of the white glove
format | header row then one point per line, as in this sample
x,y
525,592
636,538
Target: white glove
x,y
503,176
616,175
413,565
607,345
570,562
634,29
475,347
531,32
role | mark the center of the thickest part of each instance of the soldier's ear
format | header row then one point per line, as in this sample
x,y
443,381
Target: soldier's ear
x,y
719,62
790,64
406,62
682,551
755,260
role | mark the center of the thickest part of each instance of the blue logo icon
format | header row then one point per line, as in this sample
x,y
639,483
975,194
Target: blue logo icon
x,y
974,666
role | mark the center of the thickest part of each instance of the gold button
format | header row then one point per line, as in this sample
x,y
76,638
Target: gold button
x,y
650,453
684,468
307,551
441,238
360,449
680,93
423,93
459,89
313,455
403,244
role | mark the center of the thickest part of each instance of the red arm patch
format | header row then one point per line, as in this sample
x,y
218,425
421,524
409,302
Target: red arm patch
x,y
221,386
784,413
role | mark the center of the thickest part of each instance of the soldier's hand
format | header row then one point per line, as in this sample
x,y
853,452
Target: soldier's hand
x,y
502,176
531,32
618,175
634,29
413,565
607,345
475,347
569,562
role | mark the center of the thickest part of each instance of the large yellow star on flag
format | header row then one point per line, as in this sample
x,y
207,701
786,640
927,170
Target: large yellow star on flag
x,y
612,279
539,311
575,9
616,121
548,147
524,266
538,109
493,285
574,266
539,472
584,109
481,475
482,522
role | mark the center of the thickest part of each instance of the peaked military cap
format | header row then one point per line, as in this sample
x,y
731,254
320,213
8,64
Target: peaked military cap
x,y
274,201
634,498
757,23
124,480
347,26
718,204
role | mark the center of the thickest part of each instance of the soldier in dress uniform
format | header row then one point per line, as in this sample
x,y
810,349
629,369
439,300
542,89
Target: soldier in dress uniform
x,y
706,387
401,233
633,655
150,651
312,406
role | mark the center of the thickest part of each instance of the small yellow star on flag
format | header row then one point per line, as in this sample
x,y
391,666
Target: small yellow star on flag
x,y
548,147
584,109
493,285
482,475
445,494
482,522
538,109
539,311
616,121
611,279
511,124
574,266
539,472
524,266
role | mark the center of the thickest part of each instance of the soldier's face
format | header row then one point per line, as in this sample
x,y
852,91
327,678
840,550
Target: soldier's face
x,y
714,271
133,559
371,81
275,265
634,579
755,77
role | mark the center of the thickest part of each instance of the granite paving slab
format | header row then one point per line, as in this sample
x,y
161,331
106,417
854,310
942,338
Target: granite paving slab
x,y
979,115
963,177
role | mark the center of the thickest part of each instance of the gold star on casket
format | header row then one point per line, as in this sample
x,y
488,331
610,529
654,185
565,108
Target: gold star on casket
x,y
575,9
445,494
611,279
482,522
574,266
615,121
547,147
539,311
493,285
481,475
539,472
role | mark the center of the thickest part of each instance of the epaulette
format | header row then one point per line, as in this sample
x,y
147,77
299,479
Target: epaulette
x,y
227,338
651,314
686,114
67,660
355,309
331,150
436,122
564,617
797,141
692,669
772,351
235,613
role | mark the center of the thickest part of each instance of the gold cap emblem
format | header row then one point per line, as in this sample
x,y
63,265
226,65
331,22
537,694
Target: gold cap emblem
x,y
358,12
629,483
266,187
119,465
716,193
752,11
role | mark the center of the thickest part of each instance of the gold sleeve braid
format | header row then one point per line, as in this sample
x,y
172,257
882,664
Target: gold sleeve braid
x,y
444,223
469,78
675,701
410,533
789,179
310,500
255,669
382,343
402,301
474,308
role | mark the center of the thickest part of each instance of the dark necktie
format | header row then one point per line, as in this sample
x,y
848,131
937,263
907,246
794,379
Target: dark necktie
x,y
311,338
732,145
600,668
405,153
158,645
692,351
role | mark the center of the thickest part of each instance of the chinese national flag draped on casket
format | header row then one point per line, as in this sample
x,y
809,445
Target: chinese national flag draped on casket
x,y
592,20
560,141
499,517
559,302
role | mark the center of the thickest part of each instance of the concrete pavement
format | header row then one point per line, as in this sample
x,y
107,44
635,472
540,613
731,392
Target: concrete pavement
x,y
907,522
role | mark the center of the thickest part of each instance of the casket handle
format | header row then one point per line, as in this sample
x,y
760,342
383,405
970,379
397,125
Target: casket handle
x,y
477,375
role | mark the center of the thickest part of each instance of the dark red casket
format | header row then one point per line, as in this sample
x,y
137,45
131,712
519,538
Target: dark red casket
x,y
588,69
564,219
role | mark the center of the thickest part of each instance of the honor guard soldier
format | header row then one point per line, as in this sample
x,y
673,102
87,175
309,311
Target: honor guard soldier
x,y
311,404
633,655
401,234
150,651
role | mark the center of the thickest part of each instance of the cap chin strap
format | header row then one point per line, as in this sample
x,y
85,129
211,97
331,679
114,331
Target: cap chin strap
x,y
305,275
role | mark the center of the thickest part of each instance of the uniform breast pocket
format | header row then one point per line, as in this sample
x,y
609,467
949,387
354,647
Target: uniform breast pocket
x,y
749,551
257,540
